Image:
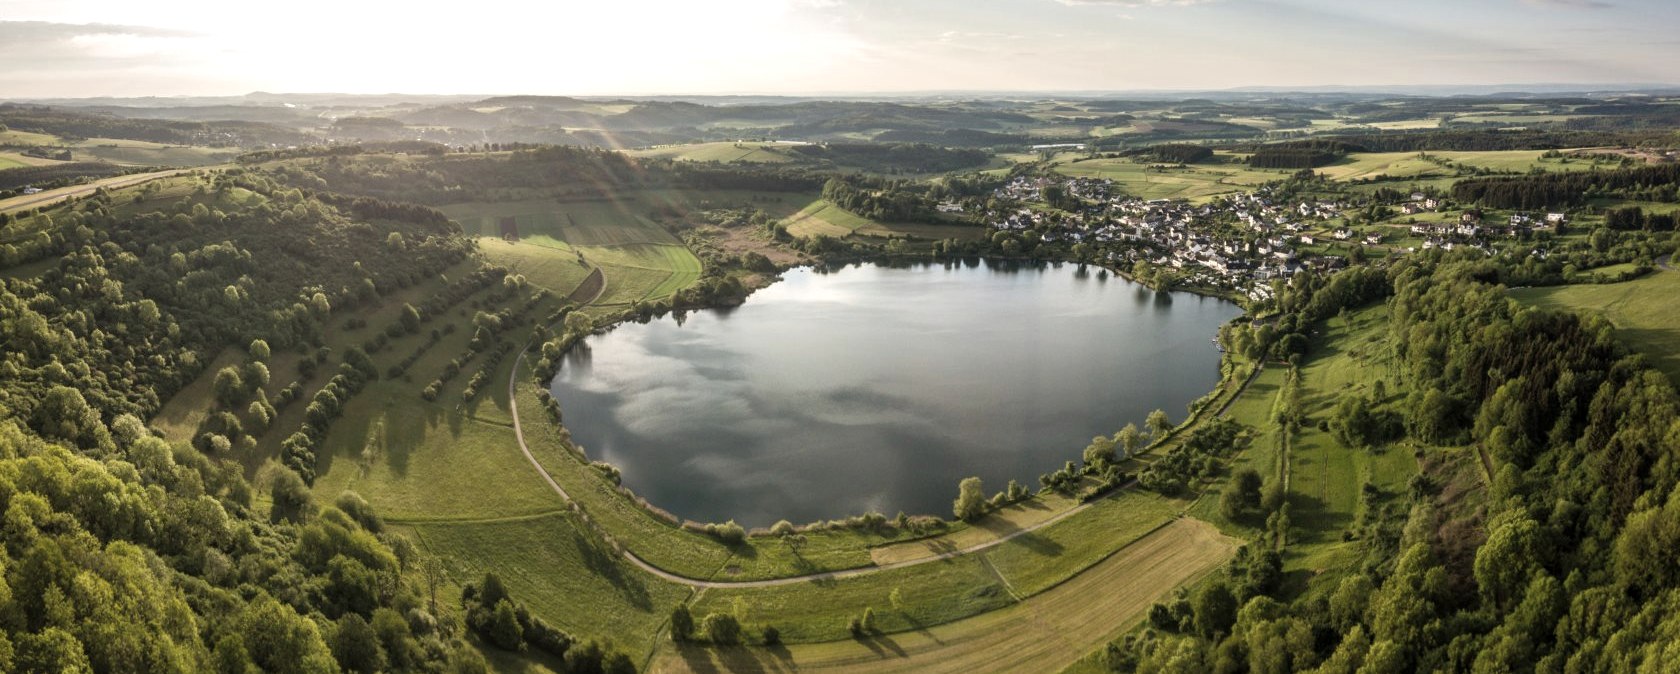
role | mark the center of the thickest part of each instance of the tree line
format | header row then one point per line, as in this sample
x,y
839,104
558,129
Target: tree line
x,y
1561,190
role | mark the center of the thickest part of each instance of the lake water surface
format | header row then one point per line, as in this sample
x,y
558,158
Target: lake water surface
x,y
878,388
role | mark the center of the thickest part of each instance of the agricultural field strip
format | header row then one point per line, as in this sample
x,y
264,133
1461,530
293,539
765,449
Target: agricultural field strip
x,y
50,197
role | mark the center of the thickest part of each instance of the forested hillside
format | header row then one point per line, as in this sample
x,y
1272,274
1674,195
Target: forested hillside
x,y
1568,567
125,553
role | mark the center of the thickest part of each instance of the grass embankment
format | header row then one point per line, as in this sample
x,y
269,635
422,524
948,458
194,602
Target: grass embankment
x,y
1642,310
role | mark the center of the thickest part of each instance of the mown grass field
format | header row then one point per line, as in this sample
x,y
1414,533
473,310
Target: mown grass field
x,y
1642,310
722,152
16,137
142,153
18,160
940,591
552,564
1037,561
54,196
604,222
823,218
826,219
1256,409
1411,165
640,259
1197,183
545,262
1044,633
1325,477
997,523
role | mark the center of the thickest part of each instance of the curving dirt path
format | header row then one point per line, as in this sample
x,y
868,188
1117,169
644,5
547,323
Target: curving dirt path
x,y
519,434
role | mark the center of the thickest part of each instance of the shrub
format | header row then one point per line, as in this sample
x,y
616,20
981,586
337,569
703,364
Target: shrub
x,y
722,629
728,532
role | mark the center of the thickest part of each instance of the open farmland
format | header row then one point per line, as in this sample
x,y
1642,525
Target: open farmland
x,y
640,259
1040,634
1196,182
723,152
1642,310
141,153
580,223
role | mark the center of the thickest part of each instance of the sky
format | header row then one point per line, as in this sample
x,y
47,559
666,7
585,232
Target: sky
x,y
76,48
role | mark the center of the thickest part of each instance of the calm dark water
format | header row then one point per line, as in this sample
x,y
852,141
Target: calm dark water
x,y
875,388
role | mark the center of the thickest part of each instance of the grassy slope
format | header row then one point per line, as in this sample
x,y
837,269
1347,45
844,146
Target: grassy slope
x,y
142,153
546,263
641,260
1202,181
937,592
825,218
563,573
1041,634
1642,311
1325,477
1197,183
722,152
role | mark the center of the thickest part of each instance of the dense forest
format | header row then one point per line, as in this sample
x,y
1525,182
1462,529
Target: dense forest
x,y
876,199
1558,190
1304,155
1176,153
124,553
1572,570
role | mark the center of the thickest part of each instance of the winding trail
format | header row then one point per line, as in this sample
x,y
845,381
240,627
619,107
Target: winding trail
x,y
519,434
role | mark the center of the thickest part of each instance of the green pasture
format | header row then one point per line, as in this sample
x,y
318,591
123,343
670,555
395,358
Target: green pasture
x,y
1642,311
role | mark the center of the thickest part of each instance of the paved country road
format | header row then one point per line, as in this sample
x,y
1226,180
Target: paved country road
x,y
54,196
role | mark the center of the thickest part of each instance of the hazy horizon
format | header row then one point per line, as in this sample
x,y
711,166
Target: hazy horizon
x,y
100,48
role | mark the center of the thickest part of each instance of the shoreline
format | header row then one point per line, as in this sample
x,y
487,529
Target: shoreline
x,y
1227,373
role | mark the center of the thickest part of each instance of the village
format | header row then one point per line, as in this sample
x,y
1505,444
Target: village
x,y
1241,242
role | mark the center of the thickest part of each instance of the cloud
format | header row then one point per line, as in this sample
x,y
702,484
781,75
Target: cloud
x,y
46,31
1134,4
1572,4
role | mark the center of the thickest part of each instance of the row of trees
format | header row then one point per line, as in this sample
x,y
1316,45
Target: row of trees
x,y
886,201
1561,190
